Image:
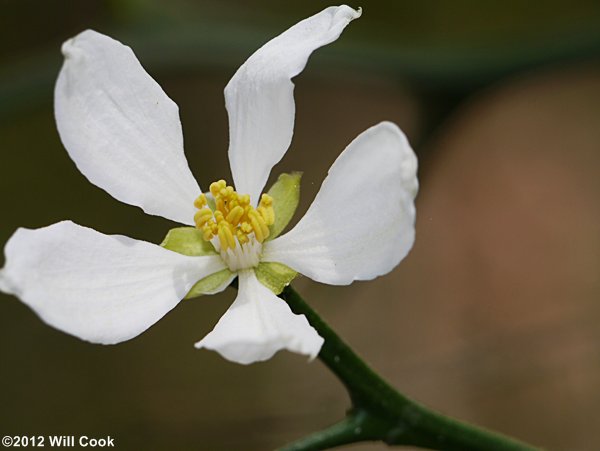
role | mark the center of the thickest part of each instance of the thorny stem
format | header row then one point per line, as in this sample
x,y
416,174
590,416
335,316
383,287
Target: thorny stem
x,y
379,412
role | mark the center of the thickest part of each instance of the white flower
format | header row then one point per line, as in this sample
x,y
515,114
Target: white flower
x,y
124,135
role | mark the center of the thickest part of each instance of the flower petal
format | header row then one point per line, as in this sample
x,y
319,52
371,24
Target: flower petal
x,y
100,288
121,129
260,97
4,286
258,324
361,224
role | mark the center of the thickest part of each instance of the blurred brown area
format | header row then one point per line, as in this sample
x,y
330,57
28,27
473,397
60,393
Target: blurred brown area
x,y
492,318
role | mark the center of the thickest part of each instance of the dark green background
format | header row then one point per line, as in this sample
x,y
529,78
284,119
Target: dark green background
x,y
494,315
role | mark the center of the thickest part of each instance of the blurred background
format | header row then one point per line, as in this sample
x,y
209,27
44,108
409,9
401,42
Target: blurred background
x,y
493,317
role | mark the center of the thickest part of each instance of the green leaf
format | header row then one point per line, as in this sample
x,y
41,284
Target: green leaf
x,y
187,241
275,276
286,195
210,284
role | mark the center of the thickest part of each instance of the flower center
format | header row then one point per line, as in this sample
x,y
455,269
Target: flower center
x,y
234,227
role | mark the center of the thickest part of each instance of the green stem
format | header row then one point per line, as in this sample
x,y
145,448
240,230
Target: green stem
x,y
380,412
357,426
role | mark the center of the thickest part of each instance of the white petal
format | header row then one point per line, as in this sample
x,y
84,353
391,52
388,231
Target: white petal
x,y
100,288
121,129
4,287
361,224
258,324
260,97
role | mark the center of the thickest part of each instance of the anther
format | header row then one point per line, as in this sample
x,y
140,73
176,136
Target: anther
x,y
244,199
203,216
200,202
242,237
215,187
261,231
207,233
235,215
266,200
219,216
226,238
267,214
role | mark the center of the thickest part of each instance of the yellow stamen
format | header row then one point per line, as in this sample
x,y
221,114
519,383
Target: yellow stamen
x,y
226,237
202,217
215,187
267,214
200,201
266,200
235,215
244,199
258,226
246,228
241,236
234,219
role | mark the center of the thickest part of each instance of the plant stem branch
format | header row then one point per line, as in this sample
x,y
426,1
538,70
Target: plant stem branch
x,y
357,426
383,413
